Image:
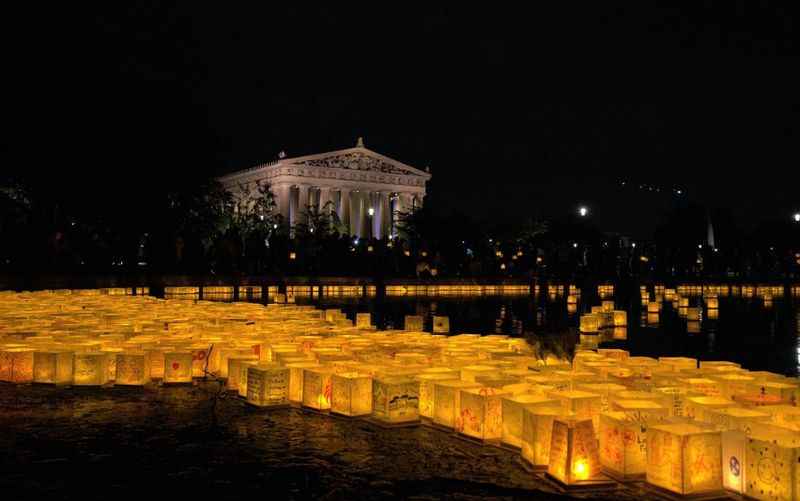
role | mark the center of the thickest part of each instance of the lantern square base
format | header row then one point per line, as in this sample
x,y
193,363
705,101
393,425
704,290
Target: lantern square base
x,y
388,424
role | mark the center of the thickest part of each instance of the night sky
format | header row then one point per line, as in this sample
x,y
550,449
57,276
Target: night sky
x,y
517,113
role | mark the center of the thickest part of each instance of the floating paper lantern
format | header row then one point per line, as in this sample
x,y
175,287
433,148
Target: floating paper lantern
x,y
267,385
653,307
537,430
772,460
447,401
697,407
481,414
731,385
395,399
573,451
620,318
784,391
234,370
413,323
132,369
737,418
678,363
52,367
623,445
640,410
582,404
684,458
512,413
441,324
90,369
469,372
317,388
364,321
16,365
352,394
243,368
178,367
590,323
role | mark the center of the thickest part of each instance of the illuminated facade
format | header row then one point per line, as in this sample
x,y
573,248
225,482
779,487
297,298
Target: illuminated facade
x,y
365,189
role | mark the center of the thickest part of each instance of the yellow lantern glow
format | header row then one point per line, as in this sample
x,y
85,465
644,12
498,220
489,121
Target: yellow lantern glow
x,y
481,414
317,388
132,369
772,460
623,445
16,365
573,451
177,367
590,323
581,404
427,397
413,323
52,367
267,385
684,458
620,318
447,401
90,369
512,413
441,324
395,399
234,370
352,394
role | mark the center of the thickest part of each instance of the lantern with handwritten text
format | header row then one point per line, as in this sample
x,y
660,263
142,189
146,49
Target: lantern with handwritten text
x,y
573,451
351,394
684,458
395,399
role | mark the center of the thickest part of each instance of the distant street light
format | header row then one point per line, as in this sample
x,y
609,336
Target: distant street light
x,y
796,217
583,211
371,211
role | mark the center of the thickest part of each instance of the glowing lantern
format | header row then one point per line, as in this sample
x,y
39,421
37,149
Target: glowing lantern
x,y
641,410
736,418
678,363
784,415
242,386
481,414
608,306
16,365
703,386
684,458
395,399
441,324
133,369
653,307
317,388
573,451
785,392
697,407
537,430
512,412
413,323
731,385
267,385
582,404
623,445
364,321
447,401
177,367
590,323
469,372
427,397
352,394
620,318
52,367
235,370
90,369
772,458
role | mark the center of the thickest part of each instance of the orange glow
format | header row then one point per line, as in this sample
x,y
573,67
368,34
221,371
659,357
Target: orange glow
x,y
580,469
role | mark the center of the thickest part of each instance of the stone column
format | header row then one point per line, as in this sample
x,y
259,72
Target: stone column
x,y
386,215
294,200
356,213
283,195
324,196
377,216
304,200
343,209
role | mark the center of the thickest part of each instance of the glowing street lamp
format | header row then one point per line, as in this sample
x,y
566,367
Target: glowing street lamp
x,y
583,211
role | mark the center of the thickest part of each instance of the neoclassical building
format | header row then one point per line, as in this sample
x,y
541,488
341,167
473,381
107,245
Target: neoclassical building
x,y
366,189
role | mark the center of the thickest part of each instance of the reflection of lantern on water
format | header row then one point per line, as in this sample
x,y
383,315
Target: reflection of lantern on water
x,y
133,369
481,413
572,299
317,388
395,399
573,451
52,367
653,307
267,385
352,394
652,319
178,367
712,314
572,309
619,333
234,370
90,369
512,412
447,401
684,458
712,303
693,327
693,314
16,365
427,383
623,445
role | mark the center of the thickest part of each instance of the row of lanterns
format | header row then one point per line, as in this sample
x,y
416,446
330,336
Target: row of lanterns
x,y
686,427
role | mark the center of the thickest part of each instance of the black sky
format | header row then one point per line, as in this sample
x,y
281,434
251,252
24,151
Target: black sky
x,y
517,112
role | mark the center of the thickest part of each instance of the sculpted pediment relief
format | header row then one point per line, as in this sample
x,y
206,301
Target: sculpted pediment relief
x,y
359,161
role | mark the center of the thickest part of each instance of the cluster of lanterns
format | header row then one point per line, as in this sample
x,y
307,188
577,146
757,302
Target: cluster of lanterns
x,y
457,290
686,427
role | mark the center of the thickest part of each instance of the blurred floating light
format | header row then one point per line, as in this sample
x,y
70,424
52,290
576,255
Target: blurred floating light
x,y
583,211
371,211
796,217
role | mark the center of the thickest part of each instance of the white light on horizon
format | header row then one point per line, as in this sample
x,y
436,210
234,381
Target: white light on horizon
x,y
583,211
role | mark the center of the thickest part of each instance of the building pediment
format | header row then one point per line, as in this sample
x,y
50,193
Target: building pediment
x,y
359,159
